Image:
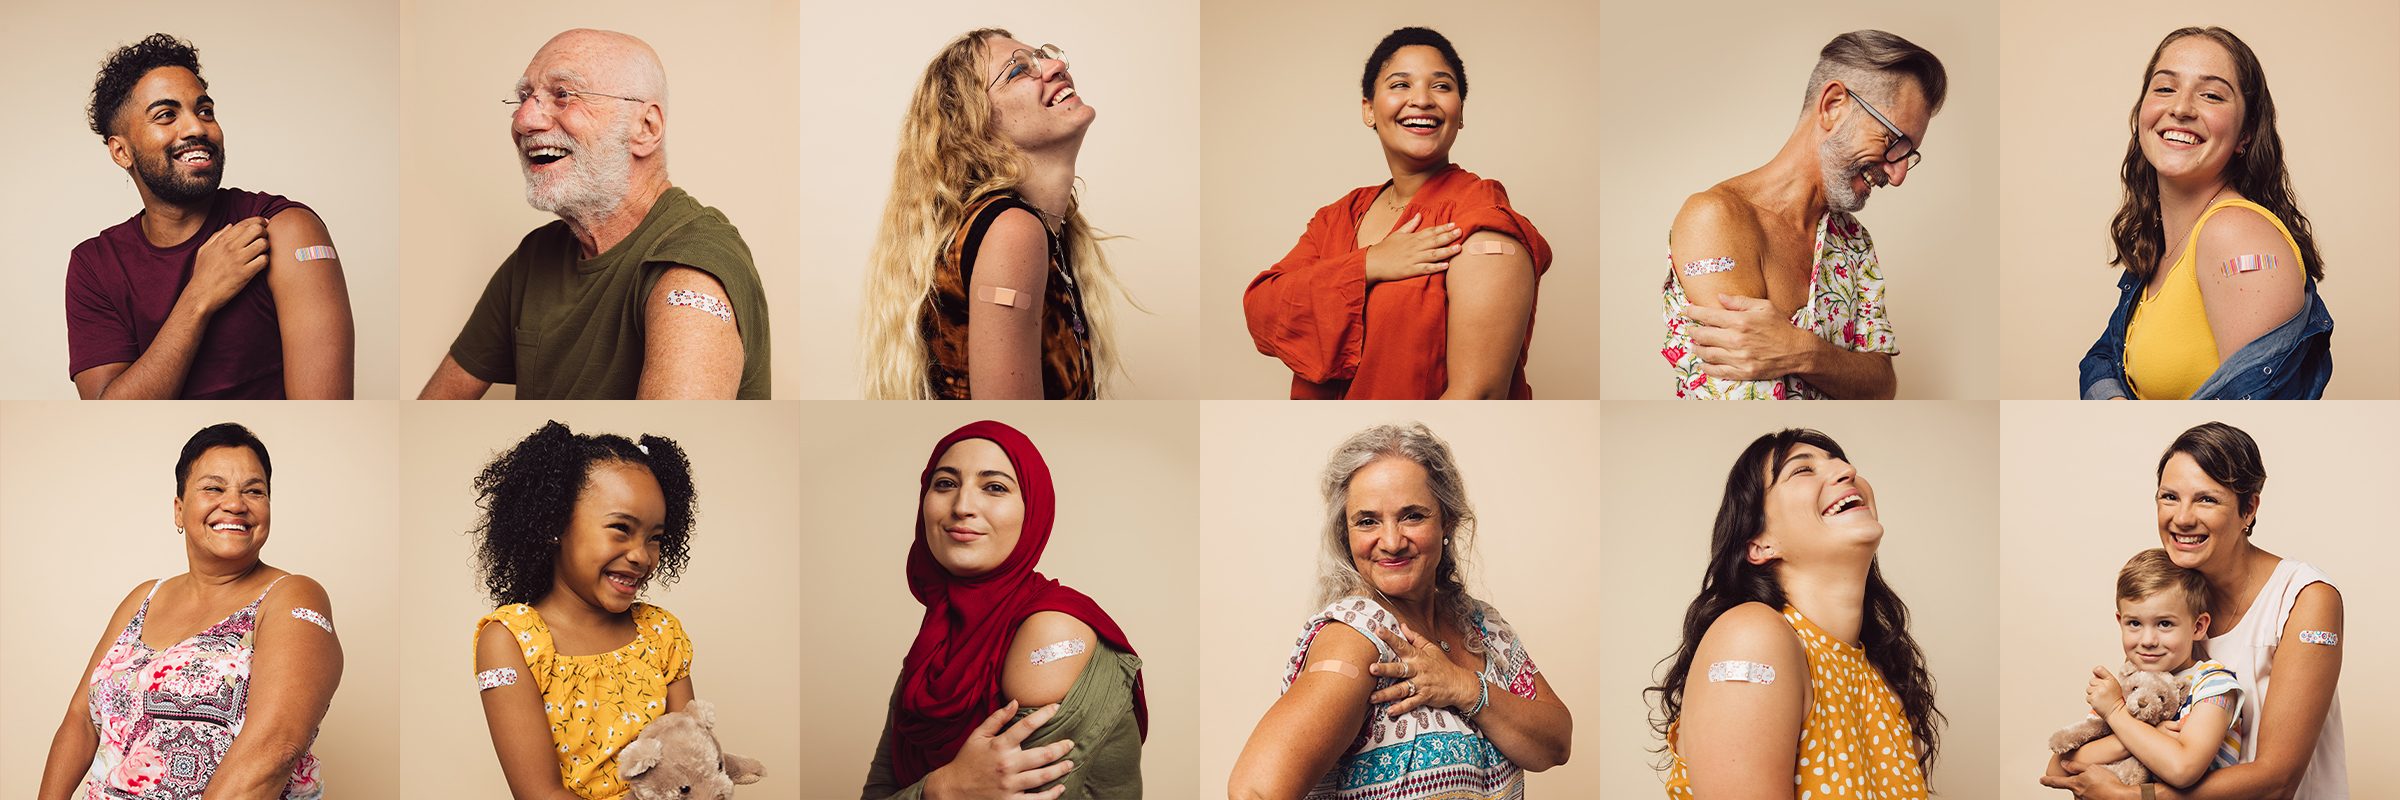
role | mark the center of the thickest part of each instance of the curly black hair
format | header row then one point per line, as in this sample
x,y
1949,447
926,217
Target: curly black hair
x,y
528,494
127,65
1405,37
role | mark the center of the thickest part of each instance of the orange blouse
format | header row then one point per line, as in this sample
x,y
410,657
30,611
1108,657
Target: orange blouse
x,y
1311,309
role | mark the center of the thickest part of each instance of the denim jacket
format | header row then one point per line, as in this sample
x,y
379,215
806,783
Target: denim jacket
x,y
2292,362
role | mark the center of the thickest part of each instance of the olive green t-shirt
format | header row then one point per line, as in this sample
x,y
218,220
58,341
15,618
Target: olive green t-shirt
x,y
564,328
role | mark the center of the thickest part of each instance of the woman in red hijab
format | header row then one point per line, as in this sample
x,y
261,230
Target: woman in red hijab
x,y
1016,686
1422,287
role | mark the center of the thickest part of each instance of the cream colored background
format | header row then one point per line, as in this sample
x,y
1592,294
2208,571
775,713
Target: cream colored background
x,y
1933,466
1706,100
304,92
93,491
1282,139
2069,87
1124,536
1529,473
730,69
2077,480
1136,63
737,597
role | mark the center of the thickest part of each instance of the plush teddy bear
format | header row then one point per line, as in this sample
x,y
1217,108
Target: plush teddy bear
x,y
2151,697
676,758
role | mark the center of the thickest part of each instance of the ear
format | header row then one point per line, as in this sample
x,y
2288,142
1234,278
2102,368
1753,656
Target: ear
x,y
743,769
1831,99
119,151
175,517
1366,111
2257,501
1761,552
639,757
2200,627
703,712
649,131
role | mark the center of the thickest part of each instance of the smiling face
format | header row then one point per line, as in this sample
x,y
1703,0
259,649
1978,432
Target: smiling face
x,y
223,508
1035,103
2190,121
167,134
2158,631
611,543
2199,519
1851,158
1417,107
973,510
577,151
1817,506
1395,527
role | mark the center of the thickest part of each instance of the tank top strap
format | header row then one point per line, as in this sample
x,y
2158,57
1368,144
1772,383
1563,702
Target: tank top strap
x,y
262,593
2191,242
133,627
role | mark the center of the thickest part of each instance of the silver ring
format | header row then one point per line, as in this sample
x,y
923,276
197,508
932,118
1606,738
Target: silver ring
x,y
1412,688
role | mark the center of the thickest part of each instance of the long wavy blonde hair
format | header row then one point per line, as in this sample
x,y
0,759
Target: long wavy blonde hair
x,y
951,157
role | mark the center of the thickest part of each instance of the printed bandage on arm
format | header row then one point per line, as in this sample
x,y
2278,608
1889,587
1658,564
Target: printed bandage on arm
x,y
1742,671
1058,650
706,303
322,252
311,616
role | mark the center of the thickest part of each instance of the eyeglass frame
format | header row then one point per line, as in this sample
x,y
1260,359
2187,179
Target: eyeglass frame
x,y
555,103
1914,156
1046,52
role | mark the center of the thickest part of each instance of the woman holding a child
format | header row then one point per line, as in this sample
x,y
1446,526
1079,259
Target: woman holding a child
x,y
2275,623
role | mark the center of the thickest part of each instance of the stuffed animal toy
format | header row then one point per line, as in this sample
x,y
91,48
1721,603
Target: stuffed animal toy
x,y
676,758
2151,697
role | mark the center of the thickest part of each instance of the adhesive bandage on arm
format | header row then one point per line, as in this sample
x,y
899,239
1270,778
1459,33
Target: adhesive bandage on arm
x,y
996,295
1707,266
495,678
2326,638
1744,671
1337,667
1491,249
311,615
2252,262
710,304
1058,650
322,252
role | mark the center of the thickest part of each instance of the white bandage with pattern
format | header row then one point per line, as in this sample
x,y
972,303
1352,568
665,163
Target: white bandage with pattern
x,y
312,616
495,678
1058,651
1744,671
702,302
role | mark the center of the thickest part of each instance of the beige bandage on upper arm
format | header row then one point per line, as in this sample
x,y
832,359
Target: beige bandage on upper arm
x,y
1335,666
1491,249
997,295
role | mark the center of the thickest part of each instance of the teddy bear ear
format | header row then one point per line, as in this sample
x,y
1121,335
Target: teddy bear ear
x,y
638,758
703,712
743,769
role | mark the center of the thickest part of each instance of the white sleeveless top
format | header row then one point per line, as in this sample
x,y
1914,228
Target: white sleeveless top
x,y
2249,650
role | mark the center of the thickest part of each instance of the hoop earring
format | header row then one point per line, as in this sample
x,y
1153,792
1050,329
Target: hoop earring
x,y
179,530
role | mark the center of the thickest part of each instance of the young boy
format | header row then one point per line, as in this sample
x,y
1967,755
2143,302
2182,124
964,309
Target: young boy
x,y
2162,618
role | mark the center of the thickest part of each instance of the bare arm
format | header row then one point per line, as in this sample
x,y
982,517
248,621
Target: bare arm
x,y
1741,739
1303,735
224,264
2245,298
1491,288
689,352
294,670
71,749
520,731
1736,332
2176,760
452,382
312,310
1004,309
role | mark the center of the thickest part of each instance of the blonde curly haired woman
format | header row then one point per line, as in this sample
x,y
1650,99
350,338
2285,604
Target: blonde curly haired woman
x,y
986,281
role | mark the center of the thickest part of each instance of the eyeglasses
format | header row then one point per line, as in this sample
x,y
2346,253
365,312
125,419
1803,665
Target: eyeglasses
x,y
1902,148
556,99
1023,62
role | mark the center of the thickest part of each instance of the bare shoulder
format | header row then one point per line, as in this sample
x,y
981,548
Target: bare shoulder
x,y
1720,215
1047,655
297,227
496,647
297,591
1014,247
1750,632
2237,231
1339,642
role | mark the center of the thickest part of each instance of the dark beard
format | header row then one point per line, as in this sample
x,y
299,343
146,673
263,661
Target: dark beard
x,y
166,184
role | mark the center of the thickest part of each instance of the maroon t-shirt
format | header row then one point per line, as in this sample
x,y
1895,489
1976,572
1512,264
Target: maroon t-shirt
x,y
120,288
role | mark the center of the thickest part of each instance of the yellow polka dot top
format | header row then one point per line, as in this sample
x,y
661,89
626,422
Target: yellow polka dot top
x,y
1855,743
598,703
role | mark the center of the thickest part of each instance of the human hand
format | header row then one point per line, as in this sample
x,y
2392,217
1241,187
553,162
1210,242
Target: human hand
x,y
1746,339
2103,692
2091,784
226,263
1429,679
991,765
1408,252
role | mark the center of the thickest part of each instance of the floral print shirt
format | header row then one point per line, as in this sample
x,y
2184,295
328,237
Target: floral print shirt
x,y
166,717
1845,307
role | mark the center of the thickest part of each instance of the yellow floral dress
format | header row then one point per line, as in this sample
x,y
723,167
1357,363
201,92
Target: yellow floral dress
x,y
598,703
1855,743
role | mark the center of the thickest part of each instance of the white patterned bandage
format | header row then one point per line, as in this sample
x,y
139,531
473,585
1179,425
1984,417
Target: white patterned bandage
x,y
1744,671
312,616
322,252
2326,638
1058,651
495,678
702,302
1707,266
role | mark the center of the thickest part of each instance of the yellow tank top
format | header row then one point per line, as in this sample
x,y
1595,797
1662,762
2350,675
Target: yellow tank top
x,y
2169,349
1855,741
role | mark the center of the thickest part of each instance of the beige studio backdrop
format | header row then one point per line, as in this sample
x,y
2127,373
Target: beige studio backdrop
x,y
2068,90
1124,474
1282,139
730,120
1137,64
1713,93
737,598
304,93
2077,481
105,477
1537,556
1933,466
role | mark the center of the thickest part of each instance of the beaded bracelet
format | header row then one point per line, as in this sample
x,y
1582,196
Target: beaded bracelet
x,y
1483,696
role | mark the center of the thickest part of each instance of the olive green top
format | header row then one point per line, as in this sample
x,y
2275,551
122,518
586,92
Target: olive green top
x,y
1097,714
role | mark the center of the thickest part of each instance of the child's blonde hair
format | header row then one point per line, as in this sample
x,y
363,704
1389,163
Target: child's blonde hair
x,y
2151,571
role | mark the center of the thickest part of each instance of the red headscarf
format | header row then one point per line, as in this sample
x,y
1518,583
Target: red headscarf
x,y
951,679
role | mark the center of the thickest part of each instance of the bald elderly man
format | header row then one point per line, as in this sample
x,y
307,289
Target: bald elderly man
x,y
638,290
